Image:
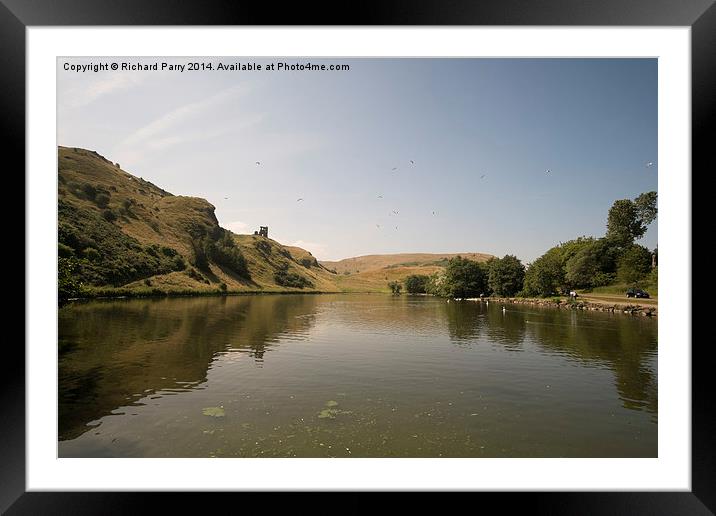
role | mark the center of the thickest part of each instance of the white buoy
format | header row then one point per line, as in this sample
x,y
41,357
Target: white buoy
x,y
503,310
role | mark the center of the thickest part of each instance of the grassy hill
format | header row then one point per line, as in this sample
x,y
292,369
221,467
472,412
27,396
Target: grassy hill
x,y
373,262
119,234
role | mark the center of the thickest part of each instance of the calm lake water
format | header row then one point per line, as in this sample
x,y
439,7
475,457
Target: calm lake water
x,y
353,376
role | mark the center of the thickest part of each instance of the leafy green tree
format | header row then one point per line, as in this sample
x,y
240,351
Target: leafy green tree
x,y
395,287
465,278
436,285
654,276
628,220
646,207
634,265
506,275
593,265
545,276
416,283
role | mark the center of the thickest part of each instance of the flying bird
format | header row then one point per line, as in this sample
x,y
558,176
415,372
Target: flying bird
x,y
395,211
649,164
380,197
396,228
299,199
378,226
412,162
225,197
433,213
258,162
394,169
482,176
548,171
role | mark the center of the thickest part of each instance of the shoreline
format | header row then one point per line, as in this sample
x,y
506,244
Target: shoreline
x,y
599,306
626,308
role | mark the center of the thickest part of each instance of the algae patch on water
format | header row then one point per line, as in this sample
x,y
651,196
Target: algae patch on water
x,y
327,413
214,411
331,412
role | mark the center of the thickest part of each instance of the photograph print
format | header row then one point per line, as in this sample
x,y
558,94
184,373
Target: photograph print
x,y
359,257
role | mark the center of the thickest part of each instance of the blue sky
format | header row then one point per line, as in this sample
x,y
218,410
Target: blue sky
x,y
332,138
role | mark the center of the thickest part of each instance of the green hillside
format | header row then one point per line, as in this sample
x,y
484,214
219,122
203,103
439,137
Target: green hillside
x,y
119,233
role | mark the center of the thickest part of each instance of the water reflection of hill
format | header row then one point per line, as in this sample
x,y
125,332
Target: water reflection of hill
x,y
111,353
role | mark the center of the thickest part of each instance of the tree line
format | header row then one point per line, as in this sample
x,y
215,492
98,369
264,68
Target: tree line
x,y
582,263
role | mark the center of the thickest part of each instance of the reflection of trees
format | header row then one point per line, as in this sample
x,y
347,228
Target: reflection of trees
x,y
463,319
624,344
114,350
508,328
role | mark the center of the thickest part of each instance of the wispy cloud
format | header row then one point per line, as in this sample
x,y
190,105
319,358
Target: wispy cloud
x,y
88,92
162,128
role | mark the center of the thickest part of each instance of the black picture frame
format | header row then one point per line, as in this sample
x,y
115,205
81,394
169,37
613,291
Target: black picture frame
x,y
17,15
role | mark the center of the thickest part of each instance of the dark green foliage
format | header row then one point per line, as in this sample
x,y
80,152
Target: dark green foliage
x,y
506,275
201,261
634,264
64,251
646,207
629,219
194,274
308,262
545,276
91,254
68,283
395,287
593,265
109,256
178,263
223,251
291,279
653,277
222,287
109,215
464,278
416,283
588,262
89,191
436,285
102,200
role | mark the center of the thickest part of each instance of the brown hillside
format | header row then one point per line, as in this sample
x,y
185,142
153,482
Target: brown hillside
x,y
374,262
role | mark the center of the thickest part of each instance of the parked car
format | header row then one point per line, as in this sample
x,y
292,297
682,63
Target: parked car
x,y
637,292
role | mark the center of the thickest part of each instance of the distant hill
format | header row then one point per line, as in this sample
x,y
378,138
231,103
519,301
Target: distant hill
x,y
119,234
374,262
